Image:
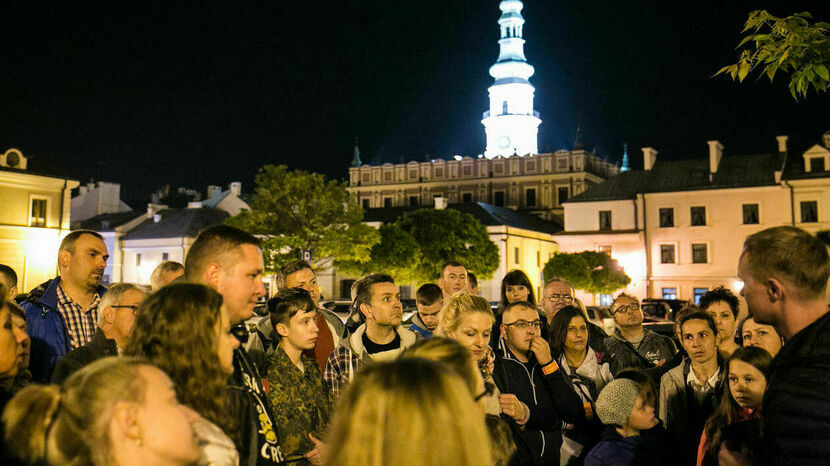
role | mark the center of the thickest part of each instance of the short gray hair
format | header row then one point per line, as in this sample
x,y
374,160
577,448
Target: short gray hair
x,y
161,269
113,296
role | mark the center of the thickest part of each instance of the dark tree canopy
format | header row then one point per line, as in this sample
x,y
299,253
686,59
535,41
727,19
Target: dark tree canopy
x,y
591,271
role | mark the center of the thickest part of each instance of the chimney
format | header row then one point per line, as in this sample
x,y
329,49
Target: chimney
x,y
826,138
156,218
715,154
649,158
213,191
236,188
440,203
82,190
782,143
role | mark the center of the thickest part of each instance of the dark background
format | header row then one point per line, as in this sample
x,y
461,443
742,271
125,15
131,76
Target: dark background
x,y
190,94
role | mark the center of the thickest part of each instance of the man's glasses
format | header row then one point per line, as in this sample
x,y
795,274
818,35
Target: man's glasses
x,y
629,308
132,308
565,298
524,325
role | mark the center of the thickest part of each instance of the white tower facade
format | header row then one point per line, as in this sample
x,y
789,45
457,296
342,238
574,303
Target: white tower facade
x,y
511,124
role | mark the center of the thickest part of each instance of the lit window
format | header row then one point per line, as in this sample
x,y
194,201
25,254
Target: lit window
x,y
698,293
516,255
700,253
750,212
698,216
38,216
669,293
605,299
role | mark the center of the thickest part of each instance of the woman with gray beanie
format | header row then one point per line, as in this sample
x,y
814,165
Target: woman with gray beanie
x,y
633,433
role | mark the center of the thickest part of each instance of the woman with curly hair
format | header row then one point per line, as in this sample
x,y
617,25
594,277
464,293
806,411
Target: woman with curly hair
x,y
183,330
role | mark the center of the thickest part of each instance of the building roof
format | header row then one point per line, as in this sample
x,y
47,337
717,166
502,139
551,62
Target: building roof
x,y
215,200
488,215
107,222
734,171
178,223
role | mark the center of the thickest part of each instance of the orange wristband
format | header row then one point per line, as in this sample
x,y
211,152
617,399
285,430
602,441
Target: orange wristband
x,y
550,368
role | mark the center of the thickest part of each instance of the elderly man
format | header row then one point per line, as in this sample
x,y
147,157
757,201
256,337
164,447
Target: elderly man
x,y
558,293
116,317
785,272
165,273
62,313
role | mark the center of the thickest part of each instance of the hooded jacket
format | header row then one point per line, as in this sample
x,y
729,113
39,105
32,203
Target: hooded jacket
x,y
417,325
47,329
549,397
348,358
652,349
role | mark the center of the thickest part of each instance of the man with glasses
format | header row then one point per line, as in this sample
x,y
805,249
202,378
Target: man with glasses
x,y
559,293
116,317
527,372
632,346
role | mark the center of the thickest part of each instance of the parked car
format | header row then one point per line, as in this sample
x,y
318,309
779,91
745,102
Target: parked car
x,y
663,308
601,316
662,326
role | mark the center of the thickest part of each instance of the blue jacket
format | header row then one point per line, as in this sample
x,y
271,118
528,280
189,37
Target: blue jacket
x,y
47,329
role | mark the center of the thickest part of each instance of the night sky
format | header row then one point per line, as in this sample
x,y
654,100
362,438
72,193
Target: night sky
x,y
192,94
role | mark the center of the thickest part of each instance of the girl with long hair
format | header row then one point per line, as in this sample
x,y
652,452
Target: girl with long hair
x,y
568,337
516,286
442,424
117,411
747,371
183,330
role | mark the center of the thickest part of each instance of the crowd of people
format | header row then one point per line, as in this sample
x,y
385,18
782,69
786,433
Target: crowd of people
x,y
172,375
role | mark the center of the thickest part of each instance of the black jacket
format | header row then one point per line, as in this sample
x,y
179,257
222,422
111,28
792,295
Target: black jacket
x,y
98,348
795,417
653,348
257,440
550,399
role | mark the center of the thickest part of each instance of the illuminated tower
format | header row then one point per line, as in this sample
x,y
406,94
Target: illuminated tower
x,y
511,124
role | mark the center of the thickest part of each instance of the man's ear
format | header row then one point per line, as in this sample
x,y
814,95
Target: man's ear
x,y
64,258
775,290
365,309
213,273
281,329
109,314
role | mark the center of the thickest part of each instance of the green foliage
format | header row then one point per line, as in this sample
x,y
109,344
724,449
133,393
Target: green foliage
x,y
416,246
449,235
591,271
297,210
790,45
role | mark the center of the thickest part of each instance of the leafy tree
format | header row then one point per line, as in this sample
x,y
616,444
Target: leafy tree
x,y
790,45
397,254
594,272
449,235
297,210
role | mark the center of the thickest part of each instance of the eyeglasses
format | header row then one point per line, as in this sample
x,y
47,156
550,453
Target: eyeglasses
x,y
628,308
523,324
132,308
566,298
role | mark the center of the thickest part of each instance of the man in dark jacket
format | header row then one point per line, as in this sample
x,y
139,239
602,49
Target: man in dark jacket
x,y
62,313
632,346
785,272
527,370
229,260
115,324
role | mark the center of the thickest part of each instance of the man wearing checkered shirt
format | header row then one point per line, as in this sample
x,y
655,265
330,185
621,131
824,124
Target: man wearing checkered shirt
x,y
62,313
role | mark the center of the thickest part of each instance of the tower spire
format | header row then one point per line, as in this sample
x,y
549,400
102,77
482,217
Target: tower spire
x,y
511,124
356,162
625,164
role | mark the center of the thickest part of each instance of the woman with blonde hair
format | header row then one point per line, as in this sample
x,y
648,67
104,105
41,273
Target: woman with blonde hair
x,y
183,330
115,411
407,412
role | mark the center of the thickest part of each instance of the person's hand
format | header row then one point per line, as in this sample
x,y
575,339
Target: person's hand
x,y
318,454
541,349
660,362
511,406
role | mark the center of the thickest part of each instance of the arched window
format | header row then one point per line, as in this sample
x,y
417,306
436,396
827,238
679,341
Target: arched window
x,y
504,108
